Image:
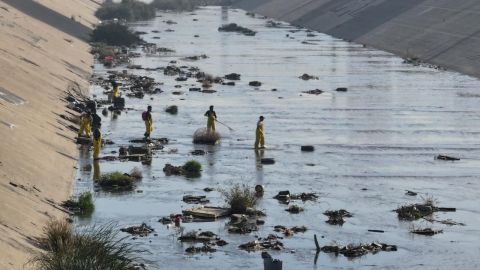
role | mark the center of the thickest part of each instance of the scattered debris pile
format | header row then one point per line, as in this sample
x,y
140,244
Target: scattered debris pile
x,y
204,248
247,223
194,236
255,83
307,77
195,199
420,210
294,209
352,250
152,141
169,170
195,57
209,240
271,242
142,230
337,217
233,76
285,196
176,218
426,231
190,169
233,27
290,231
198,152
447,158
313,92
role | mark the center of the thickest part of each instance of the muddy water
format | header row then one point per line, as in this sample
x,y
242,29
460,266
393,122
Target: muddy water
x,y
371,144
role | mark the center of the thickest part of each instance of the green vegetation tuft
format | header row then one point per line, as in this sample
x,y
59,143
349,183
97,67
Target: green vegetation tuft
x,y
129,10
239,198
114,34
85,202
83,205
116,181
91,248
192,168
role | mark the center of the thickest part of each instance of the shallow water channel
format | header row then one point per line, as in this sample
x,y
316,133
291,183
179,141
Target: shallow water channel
x,y
372,143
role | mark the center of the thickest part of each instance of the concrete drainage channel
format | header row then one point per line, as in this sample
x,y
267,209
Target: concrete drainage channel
x,y
362,149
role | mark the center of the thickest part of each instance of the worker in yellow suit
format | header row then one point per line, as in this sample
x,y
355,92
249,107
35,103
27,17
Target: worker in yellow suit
x,y
147,118
97,143
85,125
259,134
116,91
212,117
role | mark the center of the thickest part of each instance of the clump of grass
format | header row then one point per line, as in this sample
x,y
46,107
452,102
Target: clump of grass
x,y
57,235
116,181
294,209
136,173
239,198
114,34
192,168
85,202
83,205
92,248
129,10
172,109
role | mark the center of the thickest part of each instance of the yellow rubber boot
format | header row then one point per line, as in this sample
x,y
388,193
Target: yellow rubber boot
x,y
97,145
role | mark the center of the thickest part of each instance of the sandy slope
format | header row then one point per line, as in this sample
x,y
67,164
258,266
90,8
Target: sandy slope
x,y
37,63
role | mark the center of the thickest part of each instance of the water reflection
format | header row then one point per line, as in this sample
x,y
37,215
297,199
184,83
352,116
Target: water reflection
x,y
96,170
224,12
259,153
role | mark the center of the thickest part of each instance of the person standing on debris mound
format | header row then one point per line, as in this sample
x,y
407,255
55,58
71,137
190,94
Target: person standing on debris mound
x,y
85,125
212,117
97,143
259,134
147,118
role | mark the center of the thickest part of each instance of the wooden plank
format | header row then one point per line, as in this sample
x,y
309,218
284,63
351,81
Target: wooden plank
x,y
207,212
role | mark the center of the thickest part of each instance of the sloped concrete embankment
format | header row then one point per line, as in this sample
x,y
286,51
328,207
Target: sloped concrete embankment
x,y
441,32
43,53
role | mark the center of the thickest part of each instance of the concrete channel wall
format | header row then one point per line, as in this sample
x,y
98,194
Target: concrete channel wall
x,y
42,54
441,32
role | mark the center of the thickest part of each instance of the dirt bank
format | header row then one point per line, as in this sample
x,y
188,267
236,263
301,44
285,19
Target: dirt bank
x,y
41,55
